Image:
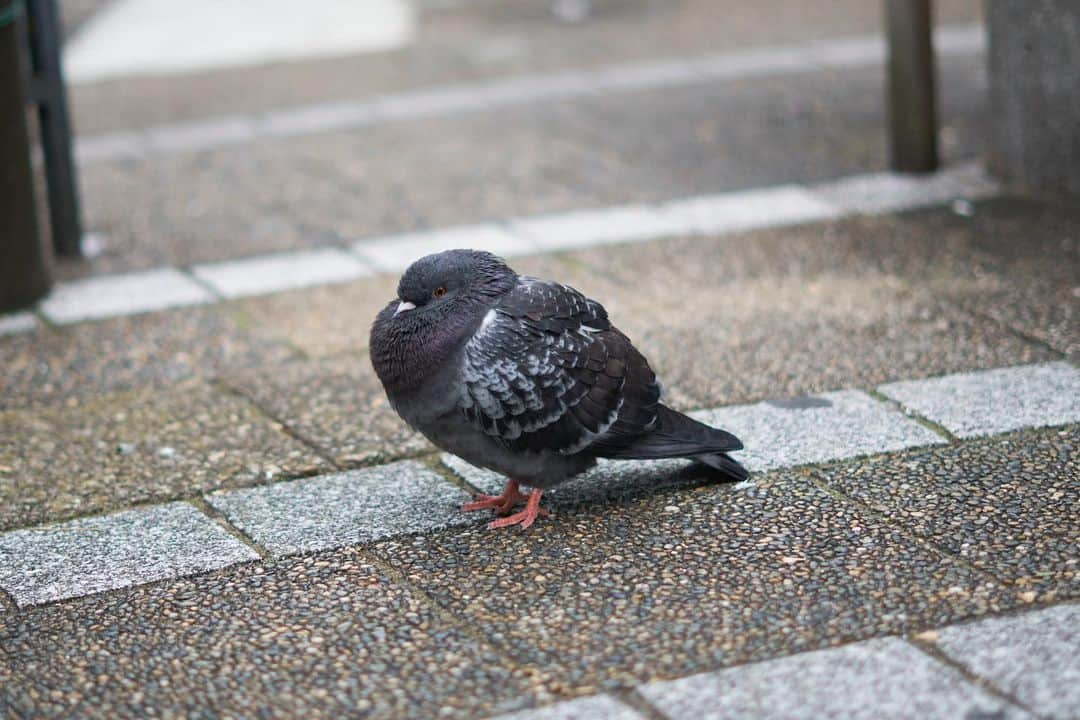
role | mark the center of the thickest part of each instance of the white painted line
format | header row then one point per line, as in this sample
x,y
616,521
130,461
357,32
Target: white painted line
x,y
17,322
748,210
995,401
337,510
151,37
395,253
891,192
597,707
115,295
822,428
276,273
90,555
838,53
881,678
628,223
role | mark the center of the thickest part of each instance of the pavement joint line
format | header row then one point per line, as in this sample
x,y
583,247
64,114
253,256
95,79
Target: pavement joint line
x,y
324,453
931,649
703,215
826,487
914,416
253,544
1016,332
641,704
219,517
489,94
993,401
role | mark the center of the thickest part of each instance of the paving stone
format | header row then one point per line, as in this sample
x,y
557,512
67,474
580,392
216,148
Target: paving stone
x,y
394,254
733,212
326,635
628,591
115,450
815,429
90,555
1009,505
633,223
590,708
115,295
883,678
17,322
343,509
892,192
61,364
335,404
1031,656
995,401
265,274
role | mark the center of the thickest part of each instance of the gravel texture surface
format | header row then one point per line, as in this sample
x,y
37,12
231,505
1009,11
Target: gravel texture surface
x,y
120,449
1008,505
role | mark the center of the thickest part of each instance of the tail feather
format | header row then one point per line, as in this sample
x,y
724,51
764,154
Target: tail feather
x,y
726,465
676,435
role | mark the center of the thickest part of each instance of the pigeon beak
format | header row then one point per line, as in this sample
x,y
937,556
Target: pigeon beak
x,y
404,306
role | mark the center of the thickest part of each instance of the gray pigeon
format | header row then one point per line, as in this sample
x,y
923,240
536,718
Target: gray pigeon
x,y
525,377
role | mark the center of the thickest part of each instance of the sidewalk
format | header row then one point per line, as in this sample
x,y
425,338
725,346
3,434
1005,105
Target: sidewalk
x,y
207,508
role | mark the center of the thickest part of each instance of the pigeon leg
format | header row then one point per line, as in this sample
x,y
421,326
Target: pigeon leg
x,y
501,504
524,518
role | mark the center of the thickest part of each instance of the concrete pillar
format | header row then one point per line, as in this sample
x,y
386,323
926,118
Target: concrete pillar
x,y
1035,94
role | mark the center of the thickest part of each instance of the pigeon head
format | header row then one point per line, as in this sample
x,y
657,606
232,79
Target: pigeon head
x,y
441,300
439,284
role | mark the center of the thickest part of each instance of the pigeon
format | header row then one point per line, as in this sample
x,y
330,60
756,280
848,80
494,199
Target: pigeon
x,y
525,377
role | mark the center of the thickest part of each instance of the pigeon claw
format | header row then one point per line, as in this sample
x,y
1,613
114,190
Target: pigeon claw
x,y
501,504
526,517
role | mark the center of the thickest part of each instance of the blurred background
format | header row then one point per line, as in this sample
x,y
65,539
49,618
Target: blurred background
x,y
224,129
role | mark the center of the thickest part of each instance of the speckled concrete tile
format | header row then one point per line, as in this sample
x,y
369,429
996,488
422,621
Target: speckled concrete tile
x,y
1009,505
157,349
598,707
338,405
395,253
318,636
115,450
90,555
17,322
995,401
820,428
632,223
618,593
883,678
263,274
1031,656
129,294
336,510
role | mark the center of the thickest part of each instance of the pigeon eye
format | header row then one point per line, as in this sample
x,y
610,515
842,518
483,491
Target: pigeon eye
x,y
438,292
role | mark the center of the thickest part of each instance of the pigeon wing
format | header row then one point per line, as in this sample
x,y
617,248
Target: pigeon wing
x,y
546,371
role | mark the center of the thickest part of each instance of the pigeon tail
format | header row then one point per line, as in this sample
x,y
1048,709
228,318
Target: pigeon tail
x,y
726,465
676,436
